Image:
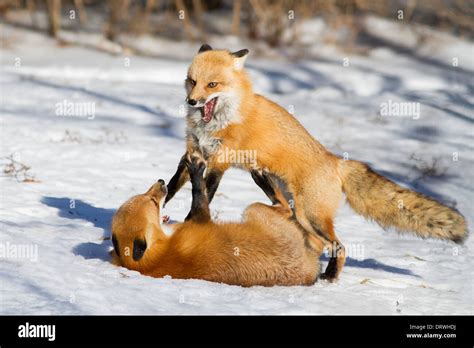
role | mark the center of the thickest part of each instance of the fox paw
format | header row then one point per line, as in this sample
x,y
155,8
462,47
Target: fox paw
x,y
196,164
331,273
263,172
262,175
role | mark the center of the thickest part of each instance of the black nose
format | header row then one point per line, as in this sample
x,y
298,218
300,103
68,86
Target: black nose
x,y
192,102
161,181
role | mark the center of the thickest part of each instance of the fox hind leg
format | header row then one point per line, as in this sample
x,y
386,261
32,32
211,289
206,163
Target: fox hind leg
x,y
337,254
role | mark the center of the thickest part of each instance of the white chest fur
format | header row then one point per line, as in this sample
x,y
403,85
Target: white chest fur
x,y
202,133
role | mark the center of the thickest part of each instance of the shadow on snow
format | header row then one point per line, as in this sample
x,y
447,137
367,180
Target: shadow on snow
x,y
99,217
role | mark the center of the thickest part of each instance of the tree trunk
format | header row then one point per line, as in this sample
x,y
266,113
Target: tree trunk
x,y
236,17
79,4
186,23
198,11
116,8
54,16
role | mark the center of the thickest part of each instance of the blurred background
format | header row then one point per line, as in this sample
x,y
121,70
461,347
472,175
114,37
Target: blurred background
x,y
295,25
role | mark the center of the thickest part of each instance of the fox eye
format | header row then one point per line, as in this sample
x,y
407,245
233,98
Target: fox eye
x,y
212,84
192,82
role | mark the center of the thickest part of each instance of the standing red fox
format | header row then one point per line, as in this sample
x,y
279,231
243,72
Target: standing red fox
x,y
226,115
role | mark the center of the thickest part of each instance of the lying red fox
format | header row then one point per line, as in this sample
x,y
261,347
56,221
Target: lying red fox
x,y
226,115
267,248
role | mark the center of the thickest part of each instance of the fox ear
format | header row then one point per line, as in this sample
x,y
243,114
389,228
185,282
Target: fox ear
x,y
139,248
239,58
205,48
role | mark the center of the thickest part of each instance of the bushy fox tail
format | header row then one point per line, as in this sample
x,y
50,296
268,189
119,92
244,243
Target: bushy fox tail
x,y
390,205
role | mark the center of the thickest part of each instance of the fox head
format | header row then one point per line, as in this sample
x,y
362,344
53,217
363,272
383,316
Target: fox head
x,y
136,226
216,80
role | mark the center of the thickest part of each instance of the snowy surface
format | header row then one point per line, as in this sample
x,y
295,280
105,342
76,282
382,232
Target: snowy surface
x,y
86,168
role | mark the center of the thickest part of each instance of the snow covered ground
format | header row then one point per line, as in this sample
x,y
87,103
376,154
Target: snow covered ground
x,y
84,167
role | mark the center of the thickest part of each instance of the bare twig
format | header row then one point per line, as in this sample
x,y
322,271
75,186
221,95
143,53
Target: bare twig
x,y
18,170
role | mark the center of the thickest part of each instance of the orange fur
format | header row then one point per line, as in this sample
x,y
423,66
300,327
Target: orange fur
x,y
266,248
316,177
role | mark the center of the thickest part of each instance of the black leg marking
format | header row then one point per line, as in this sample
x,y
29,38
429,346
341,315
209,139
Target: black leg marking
x,y
283,186
200,203
320,232
265,185
331,269
139,248
303,231
189,216
269,182
213,178
178,180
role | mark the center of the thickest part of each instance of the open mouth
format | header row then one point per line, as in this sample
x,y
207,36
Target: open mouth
x,y
208,110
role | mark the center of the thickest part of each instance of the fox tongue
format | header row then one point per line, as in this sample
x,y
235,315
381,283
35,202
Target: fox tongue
x,y
208,110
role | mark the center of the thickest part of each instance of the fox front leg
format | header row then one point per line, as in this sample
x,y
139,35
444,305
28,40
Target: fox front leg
x,y
214,174
200,204
213,178
178,180
211,183
274,187
263,181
